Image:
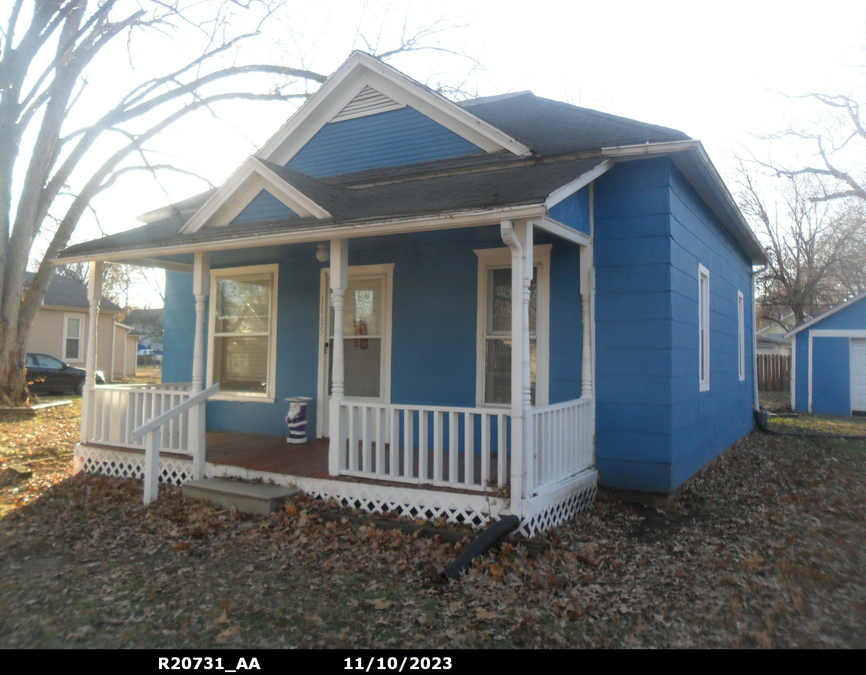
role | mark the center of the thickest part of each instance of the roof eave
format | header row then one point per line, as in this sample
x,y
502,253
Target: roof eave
x,y
318,233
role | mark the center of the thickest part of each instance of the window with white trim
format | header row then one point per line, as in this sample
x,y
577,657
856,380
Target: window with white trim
x,y
704,327
741,336
72,330
242,331
494,326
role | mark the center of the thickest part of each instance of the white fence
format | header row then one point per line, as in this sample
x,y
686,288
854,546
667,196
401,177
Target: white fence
x,y
114,411
453,447
563,436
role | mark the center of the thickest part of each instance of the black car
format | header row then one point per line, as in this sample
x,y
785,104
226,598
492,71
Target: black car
x,y
47,374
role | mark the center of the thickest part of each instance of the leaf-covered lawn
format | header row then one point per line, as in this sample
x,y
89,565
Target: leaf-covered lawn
x,y
832,425
765,549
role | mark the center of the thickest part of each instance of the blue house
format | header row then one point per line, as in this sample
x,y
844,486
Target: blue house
x,y
828,356
368,258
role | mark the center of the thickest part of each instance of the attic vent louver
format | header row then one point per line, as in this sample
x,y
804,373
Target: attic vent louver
x,y
367,102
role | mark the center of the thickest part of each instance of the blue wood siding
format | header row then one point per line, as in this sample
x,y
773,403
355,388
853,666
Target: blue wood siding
x,y
392,138
831,372
831,375
434,327
801,372
706,423
654,428
264,207
633,328
573,211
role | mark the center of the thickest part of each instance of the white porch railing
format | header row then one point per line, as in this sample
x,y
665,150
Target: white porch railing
x,y
114,411
451,447
151,433
563,440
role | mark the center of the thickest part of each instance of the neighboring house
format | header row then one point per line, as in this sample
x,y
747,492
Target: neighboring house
x,y
147,323
829,356
60,329
367,257
771,338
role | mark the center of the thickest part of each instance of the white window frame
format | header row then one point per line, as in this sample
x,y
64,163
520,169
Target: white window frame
x,y
499,258
741,336
703,328
215,275
66,317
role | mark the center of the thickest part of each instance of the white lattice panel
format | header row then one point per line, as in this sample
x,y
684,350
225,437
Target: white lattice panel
x,y
560,505
118,464
472,509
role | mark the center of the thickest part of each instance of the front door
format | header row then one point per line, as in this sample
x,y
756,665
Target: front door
x,y
366,339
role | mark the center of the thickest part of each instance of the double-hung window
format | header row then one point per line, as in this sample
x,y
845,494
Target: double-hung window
x,y
72,330
242,344
494,326
741,336
704,327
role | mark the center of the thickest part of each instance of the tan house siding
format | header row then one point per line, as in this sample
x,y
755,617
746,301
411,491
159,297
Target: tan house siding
x,y
46,337
131,355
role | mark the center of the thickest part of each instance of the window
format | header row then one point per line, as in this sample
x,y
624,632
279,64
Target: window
x,y
242,332
72,326
741,336
704,327
494,326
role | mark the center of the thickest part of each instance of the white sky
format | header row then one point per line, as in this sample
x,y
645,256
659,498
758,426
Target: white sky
x,y
714,71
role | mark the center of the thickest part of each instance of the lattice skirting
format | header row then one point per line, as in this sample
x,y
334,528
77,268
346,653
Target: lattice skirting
x,y
119,464
559,504
470,509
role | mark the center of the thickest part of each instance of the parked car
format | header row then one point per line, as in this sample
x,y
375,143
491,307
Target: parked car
x,y
47,374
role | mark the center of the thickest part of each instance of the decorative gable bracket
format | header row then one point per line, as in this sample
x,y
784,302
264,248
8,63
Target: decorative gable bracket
x,y
241,188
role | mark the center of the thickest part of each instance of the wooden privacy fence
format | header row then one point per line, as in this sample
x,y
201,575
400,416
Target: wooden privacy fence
x,y
774,372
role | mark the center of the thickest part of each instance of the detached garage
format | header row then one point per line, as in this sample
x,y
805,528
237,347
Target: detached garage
x,y
829,361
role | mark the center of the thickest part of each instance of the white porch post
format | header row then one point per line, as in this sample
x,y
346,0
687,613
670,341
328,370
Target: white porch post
x,y
339,283
94,295
519,239
586,269
201,289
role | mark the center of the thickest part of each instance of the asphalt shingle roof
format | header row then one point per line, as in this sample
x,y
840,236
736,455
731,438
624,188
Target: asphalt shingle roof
x,y
66,292
560,136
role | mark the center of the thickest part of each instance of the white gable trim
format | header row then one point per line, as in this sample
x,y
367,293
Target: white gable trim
x,y
241,188
823,316
362,70
564,192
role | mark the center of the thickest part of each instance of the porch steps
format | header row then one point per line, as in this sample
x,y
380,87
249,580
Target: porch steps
x,y
258,498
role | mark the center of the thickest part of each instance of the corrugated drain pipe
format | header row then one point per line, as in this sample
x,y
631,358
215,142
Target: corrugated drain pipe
x,y
481,544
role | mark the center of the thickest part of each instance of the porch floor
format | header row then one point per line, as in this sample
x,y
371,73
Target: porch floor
x,y
273,454
268,453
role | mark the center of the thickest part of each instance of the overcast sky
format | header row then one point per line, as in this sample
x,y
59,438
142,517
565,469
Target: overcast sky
x,y
716,71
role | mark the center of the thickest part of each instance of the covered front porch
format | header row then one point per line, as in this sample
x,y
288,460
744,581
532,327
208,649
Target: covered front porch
x,y
472,435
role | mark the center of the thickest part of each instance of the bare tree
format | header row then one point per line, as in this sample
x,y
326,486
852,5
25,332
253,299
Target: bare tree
x,y
816,248
58,151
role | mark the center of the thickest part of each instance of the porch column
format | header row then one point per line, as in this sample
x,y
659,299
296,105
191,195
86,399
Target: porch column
x,y
197,426
586,272
518,237
339,283
94,295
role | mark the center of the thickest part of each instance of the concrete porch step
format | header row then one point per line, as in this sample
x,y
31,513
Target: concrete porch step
x,y
257,498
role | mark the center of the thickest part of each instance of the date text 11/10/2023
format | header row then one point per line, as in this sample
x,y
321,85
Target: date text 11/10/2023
x,y
394,663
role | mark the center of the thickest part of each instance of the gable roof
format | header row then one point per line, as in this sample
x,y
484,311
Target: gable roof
x,y
829,312
66,292
538,152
